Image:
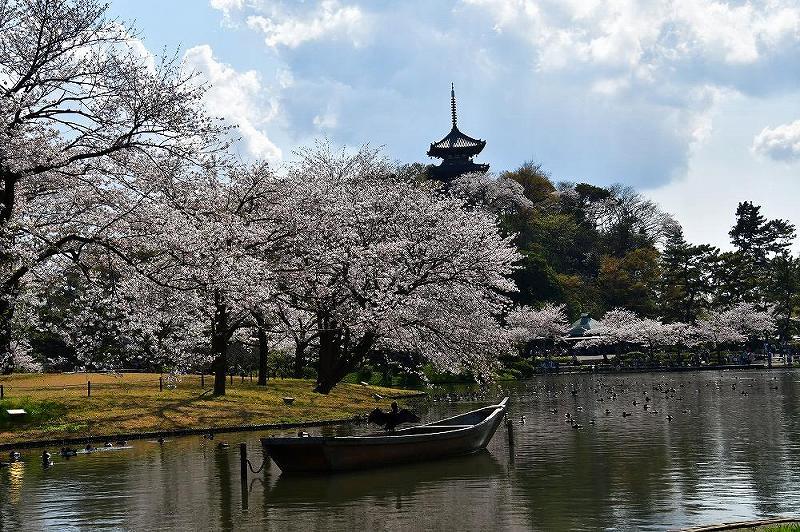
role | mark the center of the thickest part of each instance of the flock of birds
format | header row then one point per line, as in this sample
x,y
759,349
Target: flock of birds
x,y
622,397
642,397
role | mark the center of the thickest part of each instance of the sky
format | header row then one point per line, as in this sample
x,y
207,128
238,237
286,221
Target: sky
x,y
694,102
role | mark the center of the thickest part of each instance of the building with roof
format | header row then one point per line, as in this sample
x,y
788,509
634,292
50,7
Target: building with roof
x,y
456,151
583,328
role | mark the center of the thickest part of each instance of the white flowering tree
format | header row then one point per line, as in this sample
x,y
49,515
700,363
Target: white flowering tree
x,y
82,110
528,325
734,326
386,263
203,247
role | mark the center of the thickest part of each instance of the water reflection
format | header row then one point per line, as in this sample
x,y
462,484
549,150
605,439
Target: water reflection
x,y
730,449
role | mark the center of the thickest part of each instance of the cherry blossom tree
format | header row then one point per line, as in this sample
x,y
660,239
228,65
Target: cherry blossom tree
x,y
204,247
386,263
528,325
83,108
735,325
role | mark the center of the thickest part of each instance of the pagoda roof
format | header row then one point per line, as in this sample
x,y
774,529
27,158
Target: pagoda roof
x,y
456,143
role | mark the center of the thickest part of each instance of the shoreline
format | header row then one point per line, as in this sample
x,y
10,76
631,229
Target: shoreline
x,y
68,409
249,427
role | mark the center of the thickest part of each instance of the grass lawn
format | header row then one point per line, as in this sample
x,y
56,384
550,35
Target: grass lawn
x,y
58,406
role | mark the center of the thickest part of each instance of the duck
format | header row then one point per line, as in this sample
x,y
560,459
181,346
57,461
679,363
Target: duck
x,y
46,459
122,443
89,448
108,444
302,434
608,412
161,440
669,418
626,414
223,445
522,420
210,436
14,456
67,452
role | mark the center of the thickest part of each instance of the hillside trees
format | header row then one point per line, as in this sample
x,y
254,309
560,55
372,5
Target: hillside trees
x,y
81,110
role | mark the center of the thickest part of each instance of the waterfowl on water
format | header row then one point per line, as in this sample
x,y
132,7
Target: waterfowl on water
x,y
161,440
46,459
608,412
669,418
108,444
122,443
222,445
209,436
14,456
626,414
66,452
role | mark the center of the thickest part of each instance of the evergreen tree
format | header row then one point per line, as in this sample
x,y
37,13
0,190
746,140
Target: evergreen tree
x,y
685,284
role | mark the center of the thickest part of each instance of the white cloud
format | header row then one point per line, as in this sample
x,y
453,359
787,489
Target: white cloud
x,y
329,19
227,7
625,33
781,143
239,98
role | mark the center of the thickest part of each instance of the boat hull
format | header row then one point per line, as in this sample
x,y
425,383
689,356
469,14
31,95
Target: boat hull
x,y
451,437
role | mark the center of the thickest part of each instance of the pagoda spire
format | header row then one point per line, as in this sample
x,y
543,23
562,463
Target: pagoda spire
x,y
456,150
453,104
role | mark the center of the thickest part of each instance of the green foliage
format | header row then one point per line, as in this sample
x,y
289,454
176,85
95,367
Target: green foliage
x,y
38,412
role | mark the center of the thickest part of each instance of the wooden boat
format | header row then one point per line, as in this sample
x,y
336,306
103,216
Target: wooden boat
x,y
463,434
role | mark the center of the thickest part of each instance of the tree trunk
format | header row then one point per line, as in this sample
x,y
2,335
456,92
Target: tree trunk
x,y
299,359
337,357
329,360
263,349
219,347
6,317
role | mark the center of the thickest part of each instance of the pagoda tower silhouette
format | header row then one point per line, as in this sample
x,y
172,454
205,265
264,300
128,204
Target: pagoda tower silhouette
x,y
456,151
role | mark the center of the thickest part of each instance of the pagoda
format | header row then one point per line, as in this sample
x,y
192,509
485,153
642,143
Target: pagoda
x,y
456,151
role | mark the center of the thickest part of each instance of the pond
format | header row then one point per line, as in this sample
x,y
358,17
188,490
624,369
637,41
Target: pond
x,y
730,452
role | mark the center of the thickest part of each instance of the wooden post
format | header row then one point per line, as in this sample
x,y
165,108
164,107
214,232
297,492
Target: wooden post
x,y
510,428
2,392
202,380
88,388
243,461
231,378
242,378
161,384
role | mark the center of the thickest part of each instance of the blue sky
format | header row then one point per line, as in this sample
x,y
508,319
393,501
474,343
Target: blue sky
x,y
695,102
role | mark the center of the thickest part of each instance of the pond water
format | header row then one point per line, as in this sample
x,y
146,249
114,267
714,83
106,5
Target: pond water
x,y
730,452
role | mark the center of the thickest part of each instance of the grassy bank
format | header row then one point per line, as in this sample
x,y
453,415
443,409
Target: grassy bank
x,y
58,406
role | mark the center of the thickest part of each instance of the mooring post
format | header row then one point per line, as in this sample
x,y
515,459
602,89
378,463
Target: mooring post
x,y
242,378
1,391
243,461
202,381
510,428
88,388
231,378
161,384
